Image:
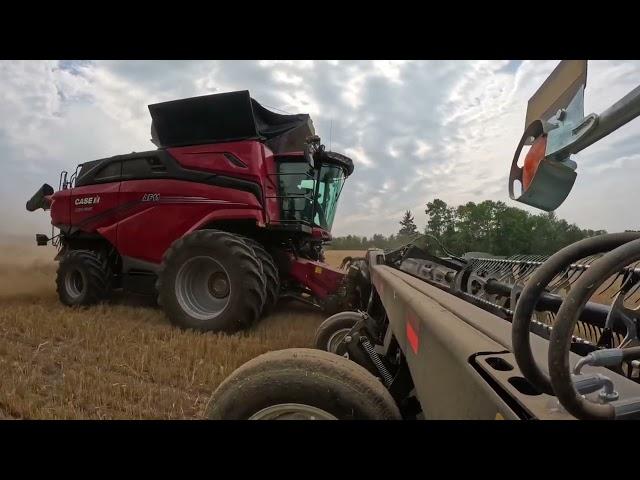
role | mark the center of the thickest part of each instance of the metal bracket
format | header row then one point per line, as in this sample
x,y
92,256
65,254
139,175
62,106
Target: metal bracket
x,y
566,127
586,384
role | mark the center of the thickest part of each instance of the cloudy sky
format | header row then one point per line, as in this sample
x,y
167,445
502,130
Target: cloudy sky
x,y
415,130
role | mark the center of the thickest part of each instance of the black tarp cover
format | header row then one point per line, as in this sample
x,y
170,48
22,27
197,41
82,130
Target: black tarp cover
x,y
225,117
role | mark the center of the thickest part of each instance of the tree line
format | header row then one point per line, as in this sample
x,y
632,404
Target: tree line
x,y
488,226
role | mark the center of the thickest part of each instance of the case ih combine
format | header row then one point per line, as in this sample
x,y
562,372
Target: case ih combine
x,y
477,336
228,214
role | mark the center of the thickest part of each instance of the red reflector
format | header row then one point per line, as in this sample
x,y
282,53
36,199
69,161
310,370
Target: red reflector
x,y
412,338
532,161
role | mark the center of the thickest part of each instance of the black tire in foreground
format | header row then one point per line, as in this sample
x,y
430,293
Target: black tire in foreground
x,y
83,278
271,275
331,332
301,384
211,280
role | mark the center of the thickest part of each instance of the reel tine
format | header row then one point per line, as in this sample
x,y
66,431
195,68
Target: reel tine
x,y
577,272
581,330
600,333
533,262
633,291
487,266
558,280
586,262
593,333
549,318
536,262
614,278
589,333
624,275
597,333
618,338
632,282
494,267
522,273
635,281
566,278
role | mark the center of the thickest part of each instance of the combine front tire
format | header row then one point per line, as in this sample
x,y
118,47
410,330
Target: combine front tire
x,y
271,275
211,281
83,278
301,384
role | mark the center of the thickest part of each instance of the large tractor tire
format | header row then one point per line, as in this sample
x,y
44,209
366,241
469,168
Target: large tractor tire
x,y
301,384
83,278
211,280
272,277
333,330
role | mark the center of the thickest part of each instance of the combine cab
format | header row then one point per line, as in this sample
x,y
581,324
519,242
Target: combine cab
x,y
226,216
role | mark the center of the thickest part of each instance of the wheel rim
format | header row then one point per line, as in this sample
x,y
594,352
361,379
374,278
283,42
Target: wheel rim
x,y
203,287
335,339
74,283
292,411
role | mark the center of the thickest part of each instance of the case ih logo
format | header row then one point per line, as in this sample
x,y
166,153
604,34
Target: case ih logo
x,y
87,201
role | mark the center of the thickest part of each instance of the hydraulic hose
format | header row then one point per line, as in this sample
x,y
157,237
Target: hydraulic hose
x,y
534,288
559,367
608,358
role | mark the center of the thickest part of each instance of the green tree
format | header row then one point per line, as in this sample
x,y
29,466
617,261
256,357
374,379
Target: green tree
x,y
378,241
407,225
439,218
488,226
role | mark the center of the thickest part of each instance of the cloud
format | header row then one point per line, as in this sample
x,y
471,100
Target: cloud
x,y
422,149
359,156
416,130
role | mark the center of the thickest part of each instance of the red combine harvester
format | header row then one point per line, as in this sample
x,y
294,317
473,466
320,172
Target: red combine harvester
x,y
225,217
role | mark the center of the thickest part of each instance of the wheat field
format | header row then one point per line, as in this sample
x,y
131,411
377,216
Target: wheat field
x,y
121,360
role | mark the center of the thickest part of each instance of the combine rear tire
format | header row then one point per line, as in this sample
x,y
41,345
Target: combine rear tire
x,y
83,278
211,281
271,275
301,384
331,332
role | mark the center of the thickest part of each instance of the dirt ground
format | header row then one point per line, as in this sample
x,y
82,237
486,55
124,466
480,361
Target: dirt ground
x,y
118,361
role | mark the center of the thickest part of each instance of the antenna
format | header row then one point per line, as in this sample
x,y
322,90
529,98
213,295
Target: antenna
x,y
276,108
330,131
